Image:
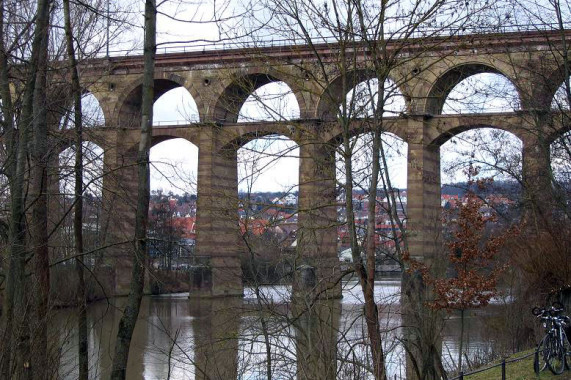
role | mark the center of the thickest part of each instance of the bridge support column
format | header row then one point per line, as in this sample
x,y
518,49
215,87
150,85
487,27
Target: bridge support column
x,y
423,200
217,271
539,195
316,339
56,208
216,332
317,263
424,233
119,208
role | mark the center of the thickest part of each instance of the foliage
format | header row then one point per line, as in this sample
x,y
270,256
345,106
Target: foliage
x,y
543,260
473,255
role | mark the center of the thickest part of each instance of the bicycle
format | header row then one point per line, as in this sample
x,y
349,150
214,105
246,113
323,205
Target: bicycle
x,y
553,349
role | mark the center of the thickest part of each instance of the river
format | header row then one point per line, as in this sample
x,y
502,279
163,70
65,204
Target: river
x,y
178,338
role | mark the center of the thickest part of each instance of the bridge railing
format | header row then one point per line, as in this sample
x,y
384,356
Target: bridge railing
x,y
202,45
166,123
503,364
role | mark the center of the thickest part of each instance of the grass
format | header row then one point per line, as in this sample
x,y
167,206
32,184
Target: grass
x,y
520,370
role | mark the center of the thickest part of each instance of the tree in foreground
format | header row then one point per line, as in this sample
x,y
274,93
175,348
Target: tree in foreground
x,y
131,312
474,247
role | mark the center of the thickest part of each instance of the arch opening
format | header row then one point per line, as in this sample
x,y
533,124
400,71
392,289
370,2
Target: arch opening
x,y
268,164
560,157
172,208
93,115
130,103
367,98
92,201
176,106
174,167
268,180
482,93
472,88
391,196
495,151
263,105
561,99
491,155
92,167
274,101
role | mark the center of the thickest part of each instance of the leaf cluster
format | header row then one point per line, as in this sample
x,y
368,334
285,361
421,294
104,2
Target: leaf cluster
x,y
473,256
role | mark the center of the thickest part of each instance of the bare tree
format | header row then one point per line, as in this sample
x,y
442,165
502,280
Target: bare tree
x,y
131,312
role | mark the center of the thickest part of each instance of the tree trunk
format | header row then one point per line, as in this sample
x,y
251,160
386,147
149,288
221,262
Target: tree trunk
x,y
461,343
39,226
129,318
11,140
368,283
78,201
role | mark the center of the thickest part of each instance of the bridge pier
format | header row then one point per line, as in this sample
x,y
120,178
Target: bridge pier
x,y
424,233
316,341
119,208
216,326
218,243
317,224
539,196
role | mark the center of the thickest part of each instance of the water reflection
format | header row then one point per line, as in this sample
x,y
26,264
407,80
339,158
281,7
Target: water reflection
x,y
251,338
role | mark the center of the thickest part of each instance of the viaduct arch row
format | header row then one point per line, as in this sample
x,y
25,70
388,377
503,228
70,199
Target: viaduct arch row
x,y
221,81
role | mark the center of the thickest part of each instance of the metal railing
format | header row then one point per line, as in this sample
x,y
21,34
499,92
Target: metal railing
x,y
502,365
166,123
267,42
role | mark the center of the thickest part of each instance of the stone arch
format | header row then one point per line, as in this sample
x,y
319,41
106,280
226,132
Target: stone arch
x,y
552,91
174,167
234,142
559,100
334,136
160,136
332,95
62,109
446,134
101,97
127,111
274,101
547,86
236,90
94,155
553,126
163,136
492,148
389,139
394,180
258,155
175,107
446,82
66,139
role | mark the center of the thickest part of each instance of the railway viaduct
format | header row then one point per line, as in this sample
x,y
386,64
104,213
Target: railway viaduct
x,y
221,80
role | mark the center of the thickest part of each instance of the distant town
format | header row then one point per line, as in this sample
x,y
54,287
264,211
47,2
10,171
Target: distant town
x,y
273,216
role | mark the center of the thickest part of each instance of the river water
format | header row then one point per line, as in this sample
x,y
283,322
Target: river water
x,y
230,338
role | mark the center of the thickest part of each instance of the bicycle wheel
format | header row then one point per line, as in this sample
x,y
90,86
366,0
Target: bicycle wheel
x,y
541,355
556,356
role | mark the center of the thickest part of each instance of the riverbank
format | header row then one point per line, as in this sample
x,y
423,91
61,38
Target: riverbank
x,y
517,370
